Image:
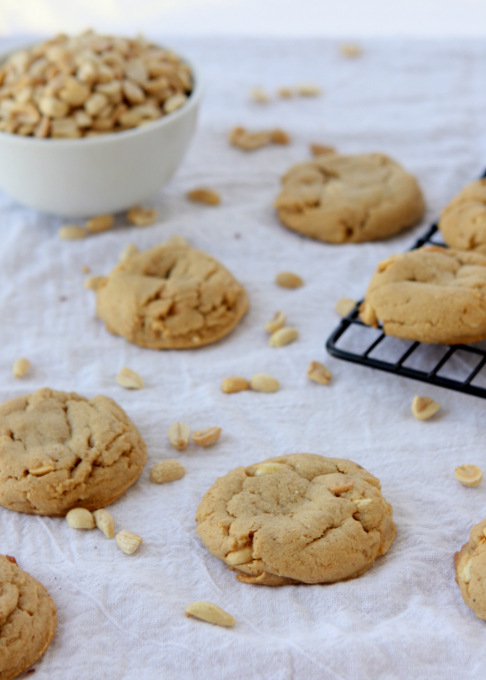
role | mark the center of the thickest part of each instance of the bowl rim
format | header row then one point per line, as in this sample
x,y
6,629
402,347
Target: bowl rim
x,y
111,138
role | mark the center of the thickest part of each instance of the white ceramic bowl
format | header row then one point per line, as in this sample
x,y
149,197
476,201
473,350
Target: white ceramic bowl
x,y
94,175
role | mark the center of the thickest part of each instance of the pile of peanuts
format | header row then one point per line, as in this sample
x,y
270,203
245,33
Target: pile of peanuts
x,y
89,85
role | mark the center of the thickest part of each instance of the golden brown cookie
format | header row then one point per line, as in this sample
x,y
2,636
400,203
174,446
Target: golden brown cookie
x,y
59,450
171,297
463,221
470,563
28,619
431,294
300,518
349,199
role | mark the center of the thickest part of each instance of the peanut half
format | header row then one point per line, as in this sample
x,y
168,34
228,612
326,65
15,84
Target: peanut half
x,y
424,407
284,336
262,382
80,518
288,280
129,250
258,94
308,90
345,306
20,367
129,379
99,223
72,231
179,435
127,541
318,373
167,471
142,217
104,522
204,195
206,437
234,384
276,322
207,611
468,475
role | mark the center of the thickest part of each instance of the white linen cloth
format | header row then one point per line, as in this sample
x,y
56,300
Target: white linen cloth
x,y
122,616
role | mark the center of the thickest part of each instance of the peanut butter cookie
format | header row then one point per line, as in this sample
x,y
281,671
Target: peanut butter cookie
x,y
470,563
431,294
349,199
171,297
463,221
28,619
300,518
59,450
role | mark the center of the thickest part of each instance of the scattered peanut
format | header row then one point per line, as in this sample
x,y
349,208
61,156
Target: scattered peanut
x,y
20,367
179,435
262,382
288,280
308,90
318,373
85,269
142,217
99,223
207,611
249,141
285,92
234,384
206,437
321,149
424,407
80,518
105,522
88,85
204,195
284,336
167,471
350,50
129,379
275,323
258,94
127,541
94,282
72,231
345,306
468,475
129,250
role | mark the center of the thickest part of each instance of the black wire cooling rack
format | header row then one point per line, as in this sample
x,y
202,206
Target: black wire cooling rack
x,y
456,367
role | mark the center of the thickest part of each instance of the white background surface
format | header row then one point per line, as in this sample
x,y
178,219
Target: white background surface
x,y
122,617
248,17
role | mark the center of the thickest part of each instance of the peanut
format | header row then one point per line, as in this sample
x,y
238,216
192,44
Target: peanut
x,y
129,250
20,367
100,223
468,475
309,90
288,280
424,407
94,282
350,50
258,94
80,518
129,379
262,382
72,231
167,471
345,306
206,437
207,611
128,542
318,373
142,217
284,336
234,384
276,322
321,149
204,195
179,435
104,522
269,468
